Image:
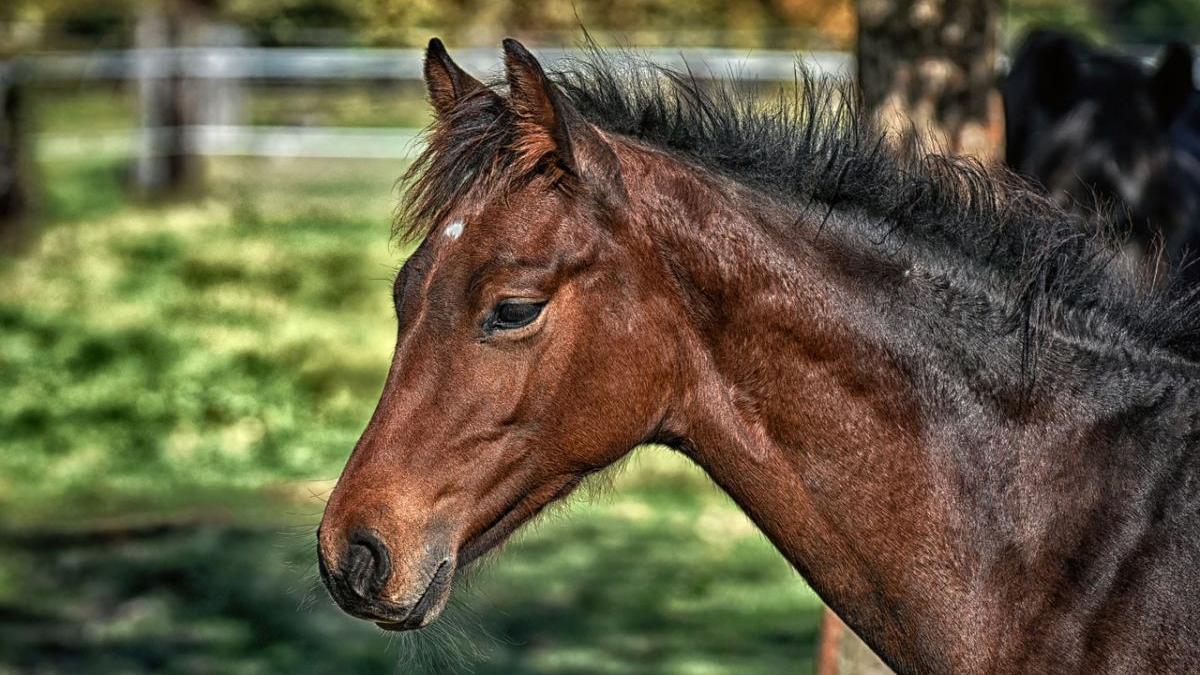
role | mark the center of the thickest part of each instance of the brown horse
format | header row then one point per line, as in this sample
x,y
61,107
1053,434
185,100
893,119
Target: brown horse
x,y
923,383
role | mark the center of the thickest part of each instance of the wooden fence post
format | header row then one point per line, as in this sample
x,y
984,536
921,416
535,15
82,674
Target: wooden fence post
x,y
222,99
14,195
165,163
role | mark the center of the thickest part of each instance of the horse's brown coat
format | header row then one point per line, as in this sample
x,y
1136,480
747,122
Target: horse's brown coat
x,y
677,311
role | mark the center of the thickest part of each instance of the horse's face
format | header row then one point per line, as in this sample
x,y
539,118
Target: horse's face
x,y
522,365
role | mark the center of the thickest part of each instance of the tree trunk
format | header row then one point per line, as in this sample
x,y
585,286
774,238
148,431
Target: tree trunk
x,y
14,196
927,68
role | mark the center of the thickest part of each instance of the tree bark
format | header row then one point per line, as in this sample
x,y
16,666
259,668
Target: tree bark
x,y
927,69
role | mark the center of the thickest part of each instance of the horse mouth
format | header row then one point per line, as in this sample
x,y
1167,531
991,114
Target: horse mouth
x,y
524,507
429,605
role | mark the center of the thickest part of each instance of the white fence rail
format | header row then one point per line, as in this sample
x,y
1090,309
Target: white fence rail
x,y
240,141
262,63
331,64
226,67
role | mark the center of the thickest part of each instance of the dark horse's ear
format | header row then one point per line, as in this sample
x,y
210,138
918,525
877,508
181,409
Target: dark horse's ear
x,y
447,83
1057,75
550,131
1171,85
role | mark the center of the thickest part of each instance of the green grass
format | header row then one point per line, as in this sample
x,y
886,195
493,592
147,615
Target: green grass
x,y
238,341
91,108
76,108
354,105
661,577
181,384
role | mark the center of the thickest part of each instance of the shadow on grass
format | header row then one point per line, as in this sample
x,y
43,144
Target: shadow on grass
x,y
193,599
613,589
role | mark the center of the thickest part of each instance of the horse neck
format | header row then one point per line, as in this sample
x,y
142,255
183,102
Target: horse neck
x,y
895,479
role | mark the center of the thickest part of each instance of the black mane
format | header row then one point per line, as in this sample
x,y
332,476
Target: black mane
x,y
818,147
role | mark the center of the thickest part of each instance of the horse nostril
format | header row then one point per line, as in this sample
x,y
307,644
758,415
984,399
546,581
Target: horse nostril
x,y
367,565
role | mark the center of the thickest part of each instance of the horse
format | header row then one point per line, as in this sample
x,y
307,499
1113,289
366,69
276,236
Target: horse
x,y
1095,129
1185,141
921,380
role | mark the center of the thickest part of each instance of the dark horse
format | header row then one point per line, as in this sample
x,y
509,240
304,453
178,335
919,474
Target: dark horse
x,y
1095,128
923,383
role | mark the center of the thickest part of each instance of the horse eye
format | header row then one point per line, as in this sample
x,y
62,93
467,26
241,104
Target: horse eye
x,y
511,314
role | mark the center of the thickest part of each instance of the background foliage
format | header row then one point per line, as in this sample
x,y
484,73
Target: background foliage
x,y
783,24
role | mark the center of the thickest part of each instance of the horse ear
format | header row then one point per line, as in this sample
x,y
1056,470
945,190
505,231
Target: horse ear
x,y
543,117
1057,74
1171,85
446,82
551,132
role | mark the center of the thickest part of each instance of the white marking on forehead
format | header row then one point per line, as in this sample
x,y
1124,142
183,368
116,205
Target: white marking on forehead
x,y
454,230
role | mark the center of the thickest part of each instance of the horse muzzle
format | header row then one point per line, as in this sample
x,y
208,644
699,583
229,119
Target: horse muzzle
x,y
366,583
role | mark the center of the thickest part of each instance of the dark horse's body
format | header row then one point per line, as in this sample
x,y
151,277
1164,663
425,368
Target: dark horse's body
x,y
1097,128
1185,141
979,445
